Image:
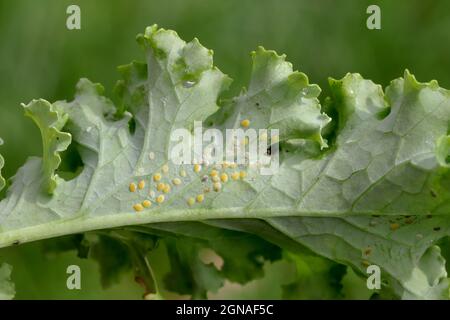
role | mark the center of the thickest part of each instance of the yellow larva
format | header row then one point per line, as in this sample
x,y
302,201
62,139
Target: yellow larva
x,y
235,175
197,168
147,203
165,168
160,198
132,187
217,186
224,177
160,186
183,173
138,207
166,188
157,177
176,181
200,198
245,123
190,201
214,173
141,184
242,174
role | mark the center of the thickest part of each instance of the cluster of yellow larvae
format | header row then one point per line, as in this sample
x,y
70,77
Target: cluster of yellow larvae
x,y
217,177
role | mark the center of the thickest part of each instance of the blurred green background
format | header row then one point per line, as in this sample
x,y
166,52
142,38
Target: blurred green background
x,y
40,58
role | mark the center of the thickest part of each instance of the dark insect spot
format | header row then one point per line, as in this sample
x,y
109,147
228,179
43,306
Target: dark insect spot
x,y
429,216
140,281
437,228
269,151
132,125
257,104
433,194
16,243
409,220
110,116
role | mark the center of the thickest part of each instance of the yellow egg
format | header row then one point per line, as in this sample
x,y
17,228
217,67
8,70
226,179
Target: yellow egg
x,y
138,207
235,175
176,181
224,177
190,201
147,203
166,188
197,168
157,177
245,123
160,186
242,174
200,198
165,168
183,173
214,173
160,198
141,184
394,226
132,187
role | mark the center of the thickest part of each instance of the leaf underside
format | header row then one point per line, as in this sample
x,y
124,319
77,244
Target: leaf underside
x,y
370,186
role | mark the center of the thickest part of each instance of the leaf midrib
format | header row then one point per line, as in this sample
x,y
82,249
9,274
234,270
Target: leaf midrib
x,y
83,223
